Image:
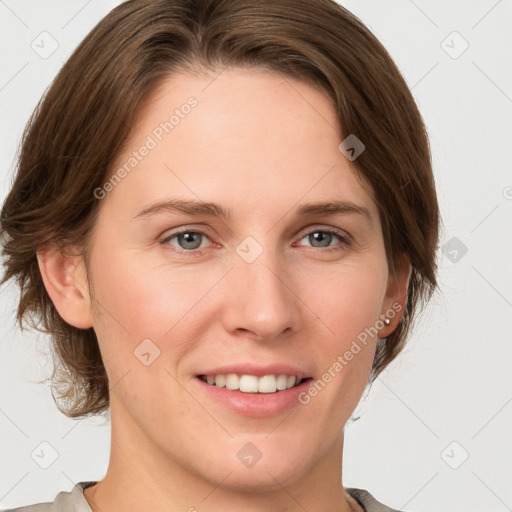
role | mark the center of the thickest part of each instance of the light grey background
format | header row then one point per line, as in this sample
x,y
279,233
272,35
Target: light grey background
x,y
449,394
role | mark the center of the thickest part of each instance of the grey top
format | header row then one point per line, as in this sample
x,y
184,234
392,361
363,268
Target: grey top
x,y
74,501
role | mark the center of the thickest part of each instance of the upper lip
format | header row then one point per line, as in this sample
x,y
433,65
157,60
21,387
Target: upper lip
x,y
259,371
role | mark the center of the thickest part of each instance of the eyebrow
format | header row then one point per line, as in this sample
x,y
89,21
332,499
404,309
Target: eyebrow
x,y
200,208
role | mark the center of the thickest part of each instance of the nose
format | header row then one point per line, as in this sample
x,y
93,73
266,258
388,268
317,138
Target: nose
x,y
259,299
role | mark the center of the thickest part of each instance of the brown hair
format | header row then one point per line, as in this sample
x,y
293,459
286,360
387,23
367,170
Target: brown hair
x,y
79,126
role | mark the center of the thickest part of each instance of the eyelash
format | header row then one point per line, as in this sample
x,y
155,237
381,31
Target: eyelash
x,y
345,239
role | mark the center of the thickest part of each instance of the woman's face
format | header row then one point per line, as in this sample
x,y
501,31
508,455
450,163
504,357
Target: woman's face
x,y
264,290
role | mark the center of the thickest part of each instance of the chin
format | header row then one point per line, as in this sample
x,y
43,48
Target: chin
x,y
260,478
262,465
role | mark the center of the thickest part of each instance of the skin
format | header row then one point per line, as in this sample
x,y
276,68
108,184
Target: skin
x,y
259,144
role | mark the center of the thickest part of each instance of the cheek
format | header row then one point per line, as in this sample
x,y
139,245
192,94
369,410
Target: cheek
x,y
347,299
347,303
146,299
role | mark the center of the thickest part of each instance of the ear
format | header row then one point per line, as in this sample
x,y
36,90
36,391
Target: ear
x,y
65,281
396,296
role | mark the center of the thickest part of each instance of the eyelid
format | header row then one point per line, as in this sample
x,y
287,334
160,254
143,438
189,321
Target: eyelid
x,y
306,230
345,237
184,229
330,229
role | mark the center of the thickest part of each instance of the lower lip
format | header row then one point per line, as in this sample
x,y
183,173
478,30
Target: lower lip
x,y
256,405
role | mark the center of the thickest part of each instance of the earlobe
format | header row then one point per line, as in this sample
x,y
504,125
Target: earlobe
x,y
396,297
65,281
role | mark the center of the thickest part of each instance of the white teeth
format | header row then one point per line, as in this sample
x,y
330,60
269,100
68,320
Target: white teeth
x,y
248,383
267,384
281,382
232,381
220,380
252,383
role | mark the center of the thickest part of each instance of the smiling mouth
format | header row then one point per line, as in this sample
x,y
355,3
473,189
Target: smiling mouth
x,y
252,383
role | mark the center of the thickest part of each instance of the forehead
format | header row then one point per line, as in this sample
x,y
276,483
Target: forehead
x,y
251,138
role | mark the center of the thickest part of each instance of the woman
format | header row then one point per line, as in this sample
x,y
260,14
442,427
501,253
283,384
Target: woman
x,y
225,216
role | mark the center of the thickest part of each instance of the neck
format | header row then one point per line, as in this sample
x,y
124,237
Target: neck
x,y
141,477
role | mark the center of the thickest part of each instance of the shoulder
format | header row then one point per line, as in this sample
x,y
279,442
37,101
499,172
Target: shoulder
x,y
369,503
39,507
65,501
